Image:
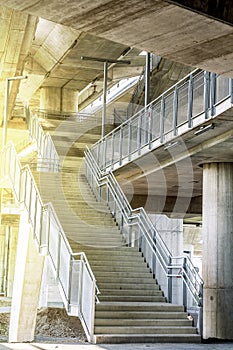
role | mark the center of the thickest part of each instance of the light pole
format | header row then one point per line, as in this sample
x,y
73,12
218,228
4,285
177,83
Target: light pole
x,y
5,117
105,61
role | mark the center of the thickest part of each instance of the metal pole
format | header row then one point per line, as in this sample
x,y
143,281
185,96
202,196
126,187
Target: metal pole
x,y
147,79
104,97
5,117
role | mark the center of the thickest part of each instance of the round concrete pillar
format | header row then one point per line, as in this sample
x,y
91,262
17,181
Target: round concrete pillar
x,y
55,99
218,250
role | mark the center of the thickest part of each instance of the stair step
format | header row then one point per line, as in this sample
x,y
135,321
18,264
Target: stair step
x,y
134,315
142,322
133,292
139,307
146,338
129,298
145,330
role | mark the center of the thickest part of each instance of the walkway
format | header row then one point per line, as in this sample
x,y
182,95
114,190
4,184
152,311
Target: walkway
x,y
78,346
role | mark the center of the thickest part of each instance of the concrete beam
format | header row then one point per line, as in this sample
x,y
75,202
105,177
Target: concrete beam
x,y
220,10
167,204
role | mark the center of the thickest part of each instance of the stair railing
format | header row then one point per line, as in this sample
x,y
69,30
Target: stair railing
x,y
190,102
76,280
48,159
173,273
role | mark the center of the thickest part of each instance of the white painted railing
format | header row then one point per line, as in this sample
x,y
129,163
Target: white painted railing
x,y
190,102
72,270
138,230
48,159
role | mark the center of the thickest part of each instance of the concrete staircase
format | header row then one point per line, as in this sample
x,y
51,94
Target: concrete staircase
x,y
132,307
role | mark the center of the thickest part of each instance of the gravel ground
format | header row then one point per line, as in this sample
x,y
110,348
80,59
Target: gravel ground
x,y
53,324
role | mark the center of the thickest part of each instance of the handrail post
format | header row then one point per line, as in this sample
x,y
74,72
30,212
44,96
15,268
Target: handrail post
x,y
162,117
212,92
120,145
169,280
231,89
175,110
200,318
129,141
206,94
190,101
139,134
184,284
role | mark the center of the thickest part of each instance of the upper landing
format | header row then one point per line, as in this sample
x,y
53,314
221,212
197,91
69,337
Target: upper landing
x,y
157,154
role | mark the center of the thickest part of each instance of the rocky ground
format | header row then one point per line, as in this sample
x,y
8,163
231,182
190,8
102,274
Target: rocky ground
x,y
52,323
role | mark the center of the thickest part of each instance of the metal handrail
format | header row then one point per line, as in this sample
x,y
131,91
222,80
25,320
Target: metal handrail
x,y
45,145
129,218
41,216
190,102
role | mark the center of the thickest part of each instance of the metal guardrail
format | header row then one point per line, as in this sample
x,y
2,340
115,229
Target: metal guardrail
x,y
174,274
177,110
72,271
47,153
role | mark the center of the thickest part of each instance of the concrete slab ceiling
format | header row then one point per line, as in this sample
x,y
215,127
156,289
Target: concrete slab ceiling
x,y
157,26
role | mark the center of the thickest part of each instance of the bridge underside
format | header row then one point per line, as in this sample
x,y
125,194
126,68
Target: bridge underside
x,y
169,180
193,38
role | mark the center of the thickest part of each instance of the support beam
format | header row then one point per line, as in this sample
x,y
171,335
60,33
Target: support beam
x,y
26,289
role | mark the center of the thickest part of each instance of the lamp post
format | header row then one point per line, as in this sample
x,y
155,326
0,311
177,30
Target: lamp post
x,y
105,61
5,117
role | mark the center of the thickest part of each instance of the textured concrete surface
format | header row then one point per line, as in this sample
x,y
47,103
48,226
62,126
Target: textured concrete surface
x,y
79,346
155,26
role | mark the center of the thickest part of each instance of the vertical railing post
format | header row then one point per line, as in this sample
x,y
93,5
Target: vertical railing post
x,y
113,150
120,145
231,89
200,318
139,134
212,93
190,101
175,110
185,295
129,141
206,94
169,280
162,118
150,109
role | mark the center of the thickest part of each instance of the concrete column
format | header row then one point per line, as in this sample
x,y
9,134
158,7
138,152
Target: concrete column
x,y
2,256
218,250
13,239
57,99
69,101
50,99
26,289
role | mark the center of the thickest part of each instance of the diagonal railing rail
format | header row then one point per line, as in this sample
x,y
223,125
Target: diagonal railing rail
x,y
174,274
76,280
191,102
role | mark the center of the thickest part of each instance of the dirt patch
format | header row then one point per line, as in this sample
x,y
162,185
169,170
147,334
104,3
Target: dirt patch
x,y
51,322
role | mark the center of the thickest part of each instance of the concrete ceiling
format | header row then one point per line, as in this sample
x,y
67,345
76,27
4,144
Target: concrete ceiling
x,y
156,26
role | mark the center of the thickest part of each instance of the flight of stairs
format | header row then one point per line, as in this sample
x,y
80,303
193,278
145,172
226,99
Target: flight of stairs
x,y
132,307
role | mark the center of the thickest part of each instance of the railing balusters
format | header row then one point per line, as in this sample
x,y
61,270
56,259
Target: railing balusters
x,y
206,94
